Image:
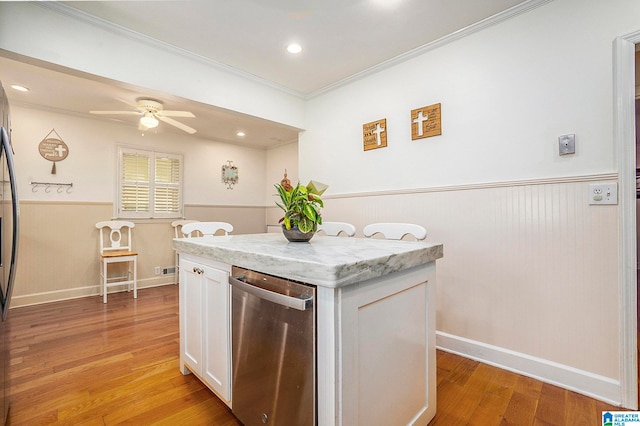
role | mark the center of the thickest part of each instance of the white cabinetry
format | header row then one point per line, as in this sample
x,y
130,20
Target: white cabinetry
x,y
387,341
375,306
205,323
376,350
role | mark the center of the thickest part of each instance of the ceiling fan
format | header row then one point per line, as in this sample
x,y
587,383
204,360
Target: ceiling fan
x,y
151,111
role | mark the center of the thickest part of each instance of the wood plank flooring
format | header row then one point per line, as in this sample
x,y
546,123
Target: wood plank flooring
x,y
472,393
84,362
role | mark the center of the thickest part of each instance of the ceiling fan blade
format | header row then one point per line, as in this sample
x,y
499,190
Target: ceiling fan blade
x,y
131,104
177,124
169,113
116,112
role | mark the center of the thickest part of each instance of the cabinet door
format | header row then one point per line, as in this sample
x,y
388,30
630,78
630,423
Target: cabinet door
x,y
217,356
191,315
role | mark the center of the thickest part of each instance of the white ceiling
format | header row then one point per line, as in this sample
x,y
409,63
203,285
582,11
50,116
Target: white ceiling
x,y
341,39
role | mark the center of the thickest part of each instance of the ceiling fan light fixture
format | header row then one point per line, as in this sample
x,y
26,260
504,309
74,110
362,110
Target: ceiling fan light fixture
x,y
151,113
149,121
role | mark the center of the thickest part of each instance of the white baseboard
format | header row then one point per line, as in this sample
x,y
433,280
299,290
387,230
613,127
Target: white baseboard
x,y
592,385
78,292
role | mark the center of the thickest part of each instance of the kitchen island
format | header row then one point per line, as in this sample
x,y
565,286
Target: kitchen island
x,y
375,307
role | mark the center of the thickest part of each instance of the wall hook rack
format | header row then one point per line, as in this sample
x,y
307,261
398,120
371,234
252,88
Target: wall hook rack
x,y
47,186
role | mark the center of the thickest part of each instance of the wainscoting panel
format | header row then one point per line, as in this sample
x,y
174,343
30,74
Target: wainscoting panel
x,y
245,220
529,267
58,247
58,250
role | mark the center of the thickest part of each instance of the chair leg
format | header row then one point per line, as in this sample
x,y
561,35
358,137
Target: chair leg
x,y
177,273
135,279
104,282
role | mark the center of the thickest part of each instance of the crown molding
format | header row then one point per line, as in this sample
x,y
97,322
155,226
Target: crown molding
x,y
136,36
167,47
457,35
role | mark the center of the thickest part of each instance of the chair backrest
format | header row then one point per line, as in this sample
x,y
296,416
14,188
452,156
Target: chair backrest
x,y
206,228
111,235
335,228
178,224
395,231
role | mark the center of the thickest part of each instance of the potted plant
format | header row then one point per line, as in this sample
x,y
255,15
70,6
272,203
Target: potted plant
x,y
301,206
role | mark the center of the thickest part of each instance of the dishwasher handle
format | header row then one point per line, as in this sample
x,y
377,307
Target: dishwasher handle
x,y
301,304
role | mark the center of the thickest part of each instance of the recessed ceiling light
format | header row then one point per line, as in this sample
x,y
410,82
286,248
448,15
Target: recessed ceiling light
x,y
387,3
240,133
19,88
294,48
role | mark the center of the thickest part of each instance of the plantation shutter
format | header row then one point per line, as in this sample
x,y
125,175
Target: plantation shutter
x,y
150,184
135,183
167,185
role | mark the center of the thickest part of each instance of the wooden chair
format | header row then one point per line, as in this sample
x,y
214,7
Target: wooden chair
x,y
178,224
395,231
206,228
335,228
116,247
177,230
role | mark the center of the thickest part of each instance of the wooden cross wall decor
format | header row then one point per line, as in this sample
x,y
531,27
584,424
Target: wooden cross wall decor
x,y
53,149
426,122
374,134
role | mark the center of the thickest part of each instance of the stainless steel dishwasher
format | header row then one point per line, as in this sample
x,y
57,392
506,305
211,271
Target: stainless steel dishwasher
x,y
273,333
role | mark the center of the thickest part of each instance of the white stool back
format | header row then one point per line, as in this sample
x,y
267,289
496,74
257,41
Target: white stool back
x,y
395,231
206,228
335,228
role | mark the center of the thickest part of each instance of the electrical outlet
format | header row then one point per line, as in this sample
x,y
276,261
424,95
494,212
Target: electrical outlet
x,y
603,193
158,270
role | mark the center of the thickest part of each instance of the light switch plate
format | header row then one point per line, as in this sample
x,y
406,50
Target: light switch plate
x,y
567,144
603,193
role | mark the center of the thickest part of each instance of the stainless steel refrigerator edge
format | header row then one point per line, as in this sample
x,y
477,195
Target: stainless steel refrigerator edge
x,y
9,229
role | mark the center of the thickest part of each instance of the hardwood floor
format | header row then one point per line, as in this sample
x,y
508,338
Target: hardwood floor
x,y
472,393
84,362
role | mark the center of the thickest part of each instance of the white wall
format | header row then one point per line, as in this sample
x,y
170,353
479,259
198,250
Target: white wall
x,y
92,161
507,93
58,247
48,32
528,265
284,157
279,159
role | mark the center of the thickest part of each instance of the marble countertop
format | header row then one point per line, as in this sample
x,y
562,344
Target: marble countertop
x,y
325,261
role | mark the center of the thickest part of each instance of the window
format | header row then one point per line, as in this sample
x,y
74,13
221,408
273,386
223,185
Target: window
x,y
149,184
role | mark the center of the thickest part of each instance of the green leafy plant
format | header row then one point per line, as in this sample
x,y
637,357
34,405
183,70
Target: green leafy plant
x,y
301,207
